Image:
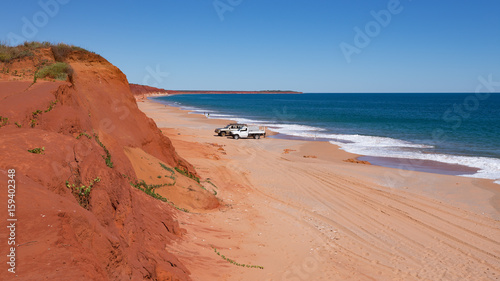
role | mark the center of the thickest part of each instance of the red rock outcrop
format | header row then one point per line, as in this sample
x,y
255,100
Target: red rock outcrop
x,y
117,232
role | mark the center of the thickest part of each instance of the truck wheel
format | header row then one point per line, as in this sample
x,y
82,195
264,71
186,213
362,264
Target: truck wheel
x,y
236,137
256,137
223,134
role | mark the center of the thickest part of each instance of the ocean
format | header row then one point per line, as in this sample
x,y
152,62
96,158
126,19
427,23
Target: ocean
x,y
452,128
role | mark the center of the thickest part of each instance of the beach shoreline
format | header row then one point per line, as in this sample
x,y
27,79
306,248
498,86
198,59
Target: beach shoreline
x,y
410,164
390,165
301,201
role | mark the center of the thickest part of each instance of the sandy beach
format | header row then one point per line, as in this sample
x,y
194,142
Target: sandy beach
x,y
100,185
380,158
300,211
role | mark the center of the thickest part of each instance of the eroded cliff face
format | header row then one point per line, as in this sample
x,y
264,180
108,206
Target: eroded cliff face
x,y
107,230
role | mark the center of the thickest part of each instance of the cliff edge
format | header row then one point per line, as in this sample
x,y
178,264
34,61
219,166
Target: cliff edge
x,y
86,207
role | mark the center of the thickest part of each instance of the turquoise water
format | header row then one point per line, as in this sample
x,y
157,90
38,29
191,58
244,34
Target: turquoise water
x,y
455,128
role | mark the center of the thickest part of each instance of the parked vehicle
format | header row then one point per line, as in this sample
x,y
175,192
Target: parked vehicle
x,y
227,130
249,132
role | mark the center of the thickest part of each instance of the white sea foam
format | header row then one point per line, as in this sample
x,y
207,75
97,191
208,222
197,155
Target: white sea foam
x,y
220,116
295,129
246,121
192,110
489,168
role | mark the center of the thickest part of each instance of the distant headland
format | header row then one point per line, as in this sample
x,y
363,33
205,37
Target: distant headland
x,y
142,90
184,92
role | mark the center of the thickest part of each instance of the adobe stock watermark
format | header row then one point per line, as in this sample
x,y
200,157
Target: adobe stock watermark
x,y
323,248
453,118
223,6
11,220
458,113
31,26
363,37
308,266
156,74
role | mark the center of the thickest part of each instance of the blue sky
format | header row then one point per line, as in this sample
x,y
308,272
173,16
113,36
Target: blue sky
x,y
425,46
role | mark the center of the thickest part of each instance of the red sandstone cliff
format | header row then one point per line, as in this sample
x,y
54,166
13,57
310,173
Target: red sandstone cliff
x,y
117,232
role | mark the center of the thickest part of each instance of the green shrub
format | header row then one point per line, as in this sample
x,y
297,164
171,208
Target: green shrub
x,y
37,150
61,51
83,134
150,190
236,263
168,169
35,45
58,70
5,57
34,116
51,106
107,157
82,192
187,174
3,121
211,183
36,112
8,53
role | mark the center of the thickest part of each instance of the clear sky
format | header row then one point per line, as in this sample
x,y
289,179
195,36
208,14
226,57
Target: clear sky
x,y
305,45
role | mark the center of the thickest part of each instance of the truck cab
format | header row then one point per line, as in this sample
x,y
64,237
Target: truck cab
x,y
227,130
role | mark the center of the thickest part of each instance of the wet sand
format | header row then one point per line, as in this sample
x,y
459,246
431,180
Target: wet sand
x,y
427,166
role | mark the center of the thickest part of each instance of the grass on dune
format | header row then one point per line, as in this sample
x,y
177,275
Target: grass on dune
x,y
58,71
60,50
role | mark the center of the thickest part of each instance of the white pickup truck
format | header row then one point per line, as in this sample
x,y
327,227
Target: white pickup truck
x,y
227,130
249,132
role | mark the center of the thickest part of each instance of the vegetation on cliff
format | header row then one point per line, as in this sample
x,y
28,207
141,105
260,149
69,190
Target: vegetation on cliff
x,y
41,66
58,70
9,53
